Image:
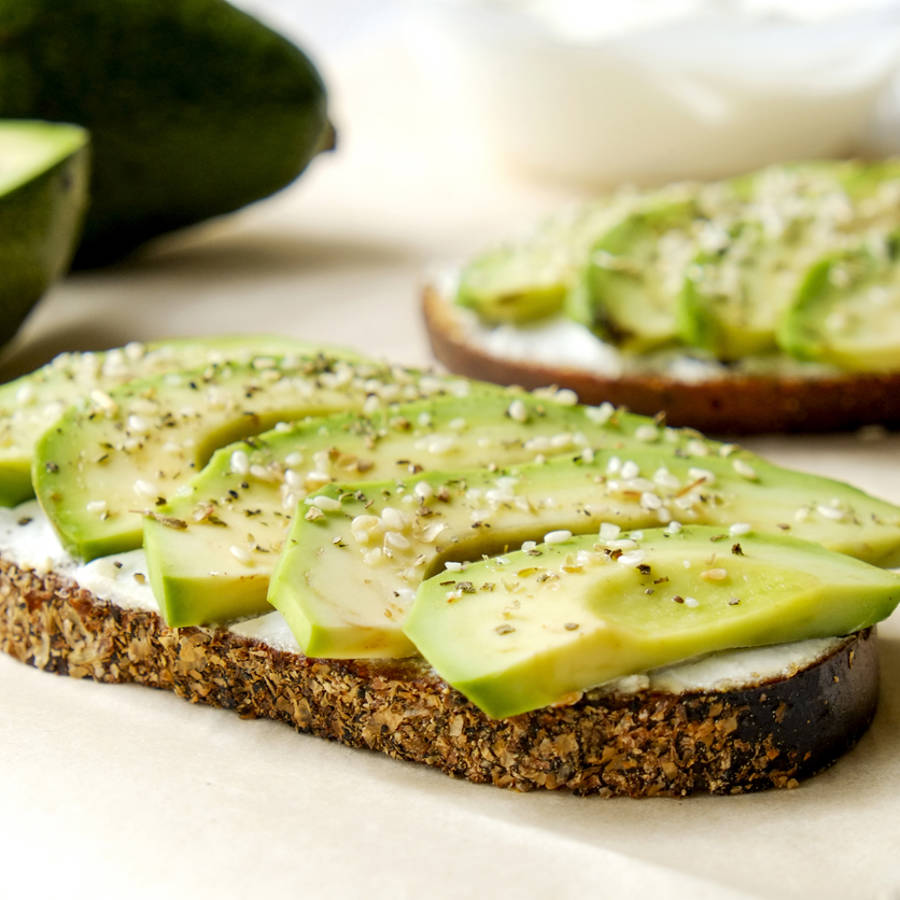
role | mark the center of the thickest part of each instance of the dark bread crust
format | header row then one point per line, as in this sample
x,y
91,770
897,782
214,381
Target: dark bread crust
x,y
738,404
642,744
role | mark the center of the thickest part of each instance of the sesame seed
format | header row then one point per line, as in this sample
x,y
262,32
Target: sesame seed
x,y
423,490
241,554
601,414
714,574
557,537
650,500
587,455
646,433
396,541
144,488
240,462
566,397
517,411
674,527
609,531
691,601
96,506
326,504
739,528
630,469
830,512
452,566
745,470
634,558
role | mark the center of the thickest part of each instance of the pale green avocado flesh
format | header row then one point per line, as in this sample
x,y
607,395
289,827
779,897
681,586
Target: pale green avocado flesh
x,y
354,559
33,402
719,271
43,196
212,549
120,454
847,311
542,626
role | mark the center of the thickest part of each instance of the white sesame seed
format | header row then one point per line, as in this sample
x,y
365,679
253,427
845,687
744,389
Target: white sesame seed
x,y
517,411
293,459
441,443
650,500
529,545
727,449
609,531
373,557
452,566
96,506
703,475
241,554
674,527
691,602
601,414
326,504
144,488
646,433
423,490
634,558
697,448
424,419
623,544
561,441
714,574
739,528
239,463
25,395
396,541
587,455
566,397
395,519
613,466
744,469
630,469
830,512
313,480
557,537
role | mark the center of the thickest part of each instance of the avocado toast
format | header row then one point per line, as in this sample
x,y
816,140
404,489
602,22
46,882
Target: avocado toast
x,y
366,527
763,303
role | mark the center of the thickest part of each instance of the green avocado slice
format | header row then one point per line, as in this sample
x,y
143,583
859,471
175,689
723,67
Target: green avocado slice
x,y
121,453
33,402
627,291
847,310
211,550
43,197
542,626
353,561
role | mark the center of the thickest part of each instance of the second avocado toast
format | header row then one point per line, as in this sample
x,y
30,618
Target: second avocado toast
x,y
508,586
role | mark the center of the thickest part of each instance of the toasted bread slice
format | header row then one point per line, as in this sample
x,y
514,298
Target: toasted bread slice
x,y
723,402
667,734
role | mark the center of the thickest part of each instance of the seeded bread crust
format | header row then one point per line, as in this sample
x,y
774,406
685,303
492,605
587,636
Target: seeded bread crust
x,y
739,404
638,745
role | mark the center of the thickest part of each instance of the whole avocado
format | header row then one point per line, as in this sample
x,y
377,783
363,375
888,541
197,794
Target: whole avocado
x,y
195,108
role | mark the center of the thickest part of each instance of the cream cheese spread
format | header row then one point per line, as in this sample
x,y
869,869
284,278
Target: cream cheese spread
x,y
28,540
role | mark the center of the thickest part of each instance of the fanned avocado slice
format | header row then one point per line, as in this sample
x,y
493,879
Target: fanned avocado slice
x,y
353,561
121,453
212,549
525,281
731,298
542,626
847,311
32,403
627,290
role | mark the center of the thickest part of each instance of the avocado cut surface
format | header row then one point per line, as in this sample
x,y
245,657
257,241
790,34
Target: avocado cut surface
x,y
847,311
121,453
634,272
194,107
43,195
212,549
352,562
33,402
707,270
543,625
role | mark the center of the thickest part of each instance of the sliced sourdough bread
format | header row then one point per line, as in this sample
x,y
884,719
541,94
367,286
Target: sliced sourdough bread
x,y
723,402
766,723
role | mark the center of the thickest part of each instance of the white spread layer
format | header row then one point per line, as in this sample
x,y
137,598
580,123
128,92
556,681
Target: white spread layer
x,y
561,342
27,539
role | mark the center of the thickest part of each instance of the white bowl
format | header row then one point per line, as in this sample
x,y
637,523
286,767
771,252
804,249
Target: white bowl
x,y
697,95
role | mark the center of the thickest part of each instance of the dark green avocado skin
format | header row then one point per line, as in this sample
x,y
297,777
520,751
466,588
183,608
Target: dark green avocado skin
x,y
195,108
